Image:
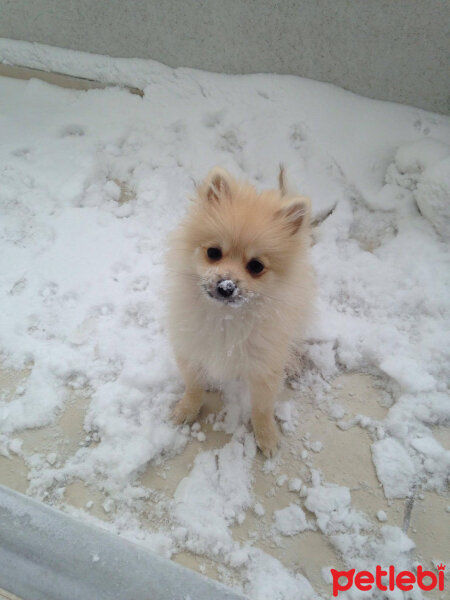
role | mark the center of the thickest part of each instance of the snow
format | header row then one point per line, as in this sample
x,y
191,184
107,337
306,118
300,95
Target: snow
x,y
90,185
294,484
291,520
281,480
395,468
433,196
423,168
332,506
226,285
223,478
268,580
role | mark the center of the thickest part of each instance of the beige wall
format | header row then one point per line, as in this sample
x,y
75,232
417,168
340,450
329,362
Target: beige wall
x,y
388,49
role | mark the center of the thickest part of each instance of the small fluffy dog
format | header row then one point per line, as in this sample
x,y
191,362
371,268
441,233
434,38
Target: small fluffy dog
x,y
240,293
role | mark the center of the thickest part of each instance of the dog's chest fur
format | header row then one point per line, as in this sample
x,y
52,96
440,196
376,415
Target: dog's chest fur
x,y
225,343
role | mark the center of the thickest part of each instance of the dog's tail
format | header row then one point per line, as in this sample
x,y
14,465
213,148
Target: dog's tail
x,y
289,192
282,179
286,187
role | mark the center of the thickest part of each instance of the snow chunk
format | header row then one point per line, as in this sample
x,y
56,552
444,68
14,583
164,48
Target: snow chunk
x,y
317,446
408,373
394,468
291,520
281,480
396,541
259,509
332,506
295,484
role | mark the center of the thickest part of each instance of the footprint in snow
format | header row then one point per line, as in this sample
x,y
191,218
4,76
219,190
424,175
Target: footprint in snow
x,y
72,130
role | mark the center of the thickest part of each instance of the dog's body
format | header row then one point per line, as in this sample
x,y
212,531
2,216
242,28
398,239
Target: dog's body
x,y
240,293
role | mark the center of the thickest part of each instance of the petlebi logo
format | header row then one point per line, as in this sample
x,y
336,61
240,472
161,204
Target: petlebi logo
x,y
388,579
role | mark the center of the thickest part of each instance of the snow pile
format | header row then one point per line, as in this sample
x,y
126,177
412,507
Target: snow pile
x,y
90,185
423,168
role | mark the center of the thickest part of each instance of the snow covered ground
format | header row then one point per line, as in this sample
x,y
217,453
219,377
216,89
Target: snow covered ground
x,y
92,181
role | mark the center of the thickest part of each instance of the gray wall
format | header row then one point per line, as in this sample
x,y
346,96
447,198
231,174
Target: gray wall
x,y
387,49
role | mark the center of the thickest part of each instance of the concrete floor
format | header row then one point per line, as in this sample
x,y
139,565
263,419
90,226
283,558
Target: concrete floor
x,y
345,459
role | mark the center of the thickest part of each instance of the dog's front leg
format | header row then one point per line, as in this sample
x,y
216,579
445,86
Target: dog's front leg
x,y
263,395
189,406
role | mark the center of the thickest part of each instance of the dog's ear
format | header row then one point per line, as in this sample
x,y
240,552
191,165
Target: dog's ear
x,y
217,185
296,213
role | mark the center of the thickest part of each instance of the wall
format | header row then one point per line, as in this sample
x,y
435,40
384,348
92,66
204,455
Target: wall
x,y
388,49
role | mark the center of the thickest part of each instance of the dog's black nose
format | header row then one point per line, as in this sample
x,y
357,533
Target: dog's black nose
x,y
225,288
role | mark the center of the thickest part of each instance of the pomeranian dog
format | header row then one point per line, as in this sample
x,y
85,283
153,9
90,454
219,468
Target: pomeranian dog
x,y
240,293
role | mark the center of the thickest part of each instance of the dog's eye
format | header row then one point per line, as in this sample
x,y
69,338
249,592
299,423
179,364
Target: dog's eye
x,y
214,253
254,267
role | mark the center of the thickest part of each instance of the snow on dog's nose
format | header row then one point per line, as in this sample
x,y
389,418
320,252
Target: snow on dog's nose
x,y
226,288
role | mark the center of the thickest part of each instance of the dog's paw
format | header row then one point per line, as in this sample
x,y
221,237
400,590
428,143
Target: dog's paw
x,y
184,412
267,439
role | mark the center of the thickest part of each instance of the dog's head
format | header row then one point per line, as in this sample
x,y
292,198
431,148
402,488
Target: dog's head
x,y
243,243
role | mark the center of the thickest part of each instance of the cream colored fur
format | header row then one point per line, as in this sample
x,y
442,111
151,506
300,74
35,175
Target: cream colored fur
x,y
251,338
